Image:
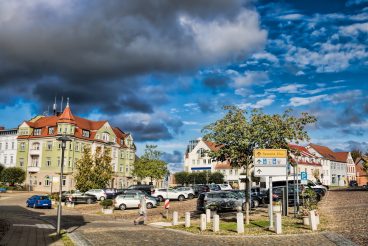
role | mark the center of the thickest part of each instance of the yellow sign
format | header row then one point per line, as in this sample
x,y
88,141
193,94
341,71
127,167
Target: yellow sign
x,y
270,153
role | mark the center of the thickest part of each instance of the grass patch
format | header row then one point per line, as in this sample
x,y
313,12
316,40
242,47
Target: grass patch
x,y
63,237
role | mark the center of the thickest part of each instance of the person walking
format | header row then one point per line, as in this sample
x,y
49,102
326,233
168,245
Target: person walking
x,y
142,212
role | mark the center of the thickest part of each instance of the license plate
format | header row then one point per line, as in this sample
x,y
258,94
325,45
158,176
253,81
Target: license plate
x,y
45,205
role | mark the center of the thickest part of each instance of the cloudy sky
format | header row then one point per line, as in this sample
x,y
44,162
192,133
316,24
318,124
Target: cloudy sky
x,y
163,69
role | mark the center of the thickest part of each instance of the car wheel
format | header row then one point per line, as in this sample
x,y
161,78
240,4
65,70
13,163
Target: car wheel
x,y
256,203
149,205
102,198
181,198
161,198
89,201
190,196
122,206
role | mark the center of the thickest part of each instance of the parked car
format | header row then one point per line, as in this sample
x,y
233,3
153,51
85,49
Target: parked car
x,y
220,201
68,194
173,194
255,199
140,193
188,190
214,187
147,188
278,194
111,193
198,189
313,184
353,183
38,201
80,198
125,201
225,187
98,193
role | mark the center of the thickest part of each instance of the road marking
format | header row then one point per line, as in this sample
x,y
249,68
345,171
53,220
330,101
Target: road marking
x,y
41,226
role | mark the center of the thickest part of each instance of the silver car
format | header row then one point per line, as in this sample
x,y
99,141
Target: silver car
x,y
220,200
125,201
99,193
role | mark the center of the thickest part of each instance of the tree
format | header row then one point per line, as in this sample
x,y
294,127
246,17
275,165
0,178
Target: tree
x,y
316,174
181,177
13,175
217,178
1,168
150,165
356,153
237,135
93,171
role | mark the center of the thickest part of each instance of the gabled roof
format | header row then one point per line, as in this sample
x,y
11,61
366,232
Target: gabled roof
x,y
67,116
212,146
302,150
359,165
328,154
342,156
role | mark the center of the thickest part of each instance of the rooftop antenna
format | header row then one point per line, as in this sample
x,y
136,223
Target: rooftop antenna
x,y
54,107
61,104
67,101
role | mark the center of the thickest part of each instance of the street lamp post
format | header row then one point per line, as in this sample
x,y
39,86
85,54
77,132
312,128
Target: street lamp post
x,y
63,140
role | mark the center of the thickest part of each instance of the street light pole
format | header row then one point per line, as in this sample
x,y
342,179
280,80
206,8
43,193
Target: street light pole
x,y
63,140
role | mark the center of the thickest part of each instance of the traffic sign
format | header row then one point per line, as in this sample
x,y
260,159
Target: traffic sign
x,y
303,177
269,171
270,162
270,153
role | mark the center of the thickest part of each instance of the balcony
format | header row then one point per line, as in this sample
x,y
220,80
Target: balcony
x,y
33,169
34,151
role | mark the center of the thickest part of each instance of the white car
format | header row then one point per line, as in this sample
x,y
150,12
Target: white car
x,y
123,202
314,185
173,194
187,190
225,187
99,193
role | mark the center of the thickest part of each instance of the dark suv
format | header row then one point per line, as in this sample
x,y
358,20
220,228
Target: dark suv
x,y
220,201
147,188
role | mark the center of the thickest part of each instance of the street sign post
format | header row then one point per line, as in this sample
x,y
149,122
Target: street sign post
x,y
270,162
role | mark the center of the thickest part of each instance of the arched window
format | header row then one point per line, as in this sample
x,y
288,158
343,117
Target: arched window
x,y
106,136
47,180
36,146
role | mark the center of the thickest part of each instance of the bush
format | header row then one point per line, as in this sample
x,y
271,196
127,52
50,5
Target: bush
x,y
106,203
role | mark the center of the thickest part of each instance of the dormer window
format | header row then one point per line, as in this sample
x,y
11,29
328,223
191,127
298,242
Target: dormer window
x,y
85,133
51,130
37,132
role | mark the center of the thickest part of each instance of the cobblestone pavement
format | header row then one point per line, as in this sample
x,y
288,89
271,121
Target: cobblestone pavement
x,y
347,213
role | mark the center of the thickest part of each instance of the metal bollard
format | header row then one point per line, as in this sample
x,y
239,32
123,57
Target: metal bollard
x,y
208,215
202,223
240,222
187,219
175,218
216,223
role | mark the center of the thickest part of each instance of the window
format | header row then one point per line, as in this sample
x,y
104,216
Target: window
x,y
204,161
76,146
121,168
51,130
58,161
49,145
48,162
85,133
47,181
11,159
21,162
1,145
36,146
37,132
6,145
70,146
231,171
13,145
64,180
105,136
5,159
193,162
70,162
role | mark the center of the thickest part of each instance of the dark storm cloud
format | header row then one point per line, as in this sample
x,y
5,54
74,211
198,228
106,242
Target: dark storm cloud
x,y
152,131
351,145
175,157
206,106
216,82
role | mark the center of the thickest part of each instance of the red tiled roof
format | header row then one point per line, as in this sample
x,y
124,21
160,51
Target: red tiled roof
x,y
326,152
67,116
359,167
341,156
302,150
213,146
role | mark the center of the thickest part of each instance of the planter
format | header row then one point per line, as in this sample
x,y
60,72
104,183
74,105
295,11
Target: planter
x,y
306,220
276,208
107,210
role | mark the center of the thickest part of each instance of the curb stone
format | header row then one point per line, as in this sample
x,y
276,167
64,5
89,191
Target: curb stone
x,y
338,239
78,239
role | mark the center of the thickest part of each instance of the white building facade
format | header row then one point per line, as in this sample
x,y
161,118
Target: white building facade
x,y
8,147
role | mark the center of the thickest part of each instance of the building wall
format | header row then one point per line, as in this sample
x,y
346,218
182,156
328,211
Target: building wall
x,y
8,147
351,172
198,162
338,173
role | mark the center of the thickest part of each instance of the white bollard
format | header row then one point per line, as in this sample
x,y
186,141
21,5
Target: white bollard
x,y
317,219
175,218
240,222
187,219
278,223
202,223
208,215
216,223
312,220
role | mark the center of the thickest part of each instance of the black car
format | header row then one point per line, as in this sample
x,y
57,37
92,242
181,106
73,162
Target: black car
x,y
353,183
111,193
198,189
147,188
277,194
78,197
255,199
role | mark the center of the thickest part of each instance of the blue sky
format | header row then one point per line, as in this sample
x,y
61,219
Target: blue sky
x,y
164,70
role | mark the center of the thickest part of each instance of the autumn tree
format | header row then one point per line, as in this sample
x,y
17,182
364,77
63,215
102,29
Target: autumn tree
x,y
93,171
149,164
238,133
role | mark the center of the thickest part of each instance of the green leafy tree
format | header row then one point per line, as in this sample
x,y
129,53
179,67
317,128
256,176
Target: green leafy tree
x,y
150,165
93,171
217,178
13,175
1,169
182,178
238,134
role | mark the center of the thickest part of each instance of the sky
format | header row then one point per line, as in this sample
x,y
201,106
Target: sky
x,y
162,70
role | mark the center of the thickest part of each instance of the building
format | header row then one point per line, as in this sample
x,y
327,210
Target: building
x,y
39,151
306,162
334,165
361,174
8,147
197,159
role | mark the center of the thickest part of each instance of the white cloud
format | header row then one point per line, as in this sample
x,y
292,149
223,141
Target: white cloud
x,y
259,104
301,101
243,92
266,56
251,78
300,73
354,29
190,123
291,17
292,88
